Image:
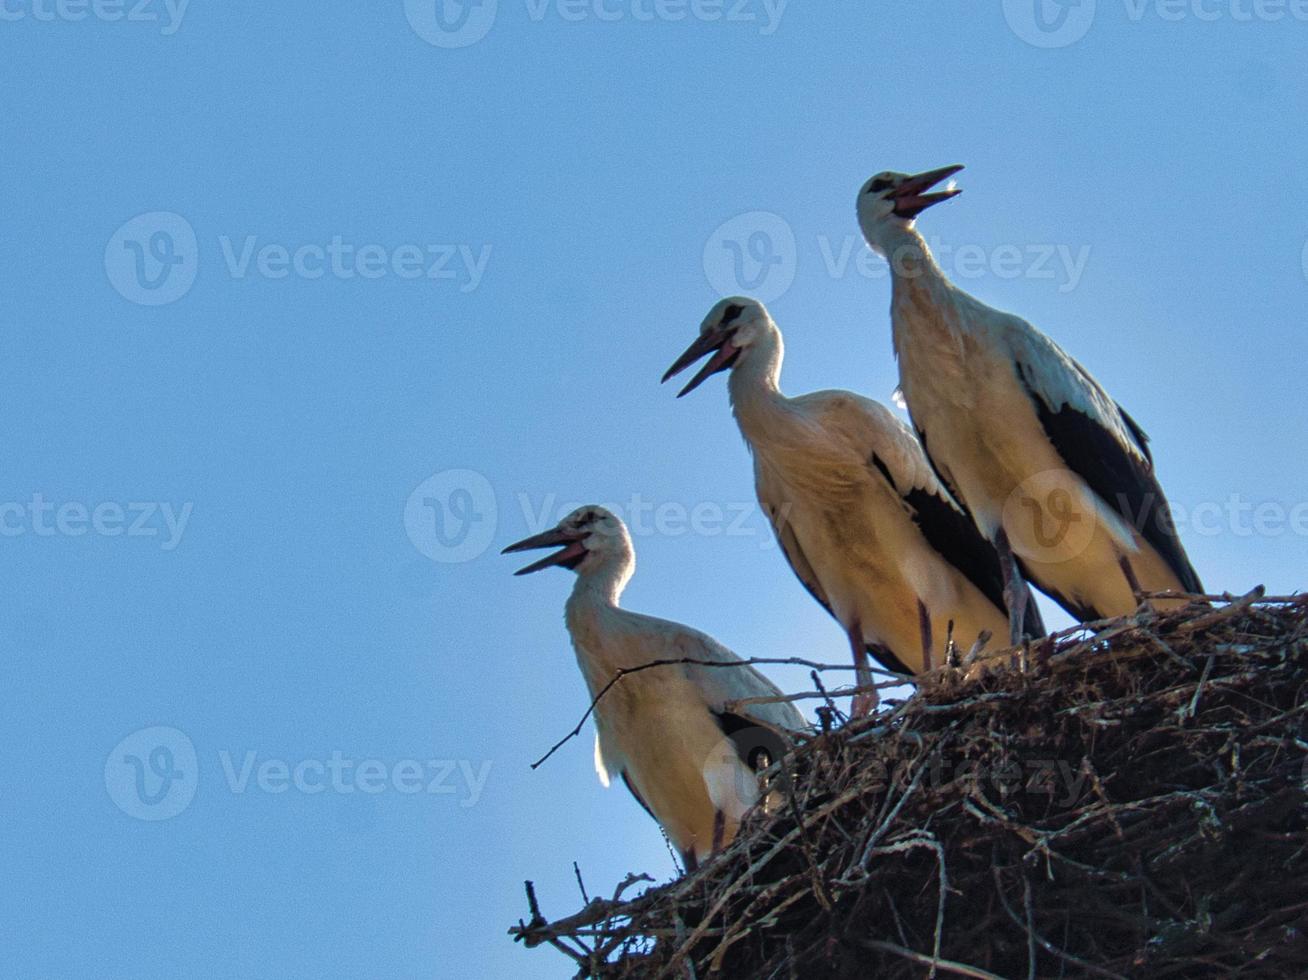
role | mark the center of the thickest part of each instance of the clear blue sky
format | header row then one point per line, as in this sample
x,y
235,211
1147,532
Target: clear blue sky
x,y
282,417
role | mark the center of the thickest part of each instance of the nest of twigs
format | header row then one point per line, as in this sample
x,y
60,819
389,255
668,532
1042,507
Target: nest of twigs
x,y
1126,799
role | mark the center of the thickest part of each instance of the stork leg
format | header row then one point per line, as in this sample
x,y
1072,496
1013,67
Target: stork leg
x,y
924,621
864,704
719,830
1125,564
689,860
1016,595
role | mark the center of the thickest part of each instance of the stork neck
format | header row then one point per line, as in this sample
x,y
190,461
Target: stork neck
x,y
602,578
921,298
755,382
911,261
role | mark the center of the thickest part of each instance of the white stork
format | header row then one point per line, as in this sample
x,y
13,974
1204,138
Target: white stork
x,y
864,522
1054,472
668,731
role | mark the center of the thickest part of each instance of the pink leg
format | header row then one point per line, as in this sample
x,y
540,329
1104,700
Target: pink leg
x,y
1015,592
864,704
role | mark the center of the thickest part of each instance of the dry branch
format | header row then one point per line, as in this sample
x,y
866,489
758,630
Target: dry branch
x,y
1125,799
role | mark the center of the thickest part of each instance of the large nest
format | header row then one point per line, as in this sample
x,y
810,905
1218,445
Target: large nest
x,y
1127,799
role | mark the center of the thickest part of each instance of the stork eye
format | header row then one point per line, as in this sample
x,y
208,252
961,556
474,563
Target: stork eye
x,y
731,313
879,185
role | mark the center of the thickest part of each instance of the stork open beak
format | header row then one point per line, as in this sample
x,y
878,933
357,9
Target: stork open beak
x,y
725,356
570,557
910,199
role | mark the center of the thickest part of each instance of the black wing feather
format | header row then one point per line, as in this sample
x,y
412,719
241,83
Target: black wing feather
x,y
953,534
758,747
1121,480
645,806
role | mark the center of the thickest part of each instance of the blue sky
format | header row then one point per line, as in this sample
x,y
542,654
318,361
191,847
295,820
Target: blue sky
x,y
445,278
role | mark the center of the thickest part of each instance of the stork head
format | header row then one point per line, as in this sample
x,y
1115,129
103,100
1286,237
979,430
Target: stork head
x,y
586,537
730,329
890,202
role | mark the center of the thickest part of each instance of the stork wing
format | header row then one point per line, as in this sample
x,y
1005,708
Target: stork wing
x,y
1099,442
735,681
771,495
892,450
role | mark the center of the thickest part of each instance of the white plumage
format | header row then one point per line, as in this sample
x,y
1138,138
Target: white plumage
x,y
863,520
1051,468
667,731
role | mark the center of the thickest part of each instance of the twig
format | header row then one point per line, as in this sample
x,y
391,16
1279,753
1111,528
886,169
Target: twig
x,y
961,969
